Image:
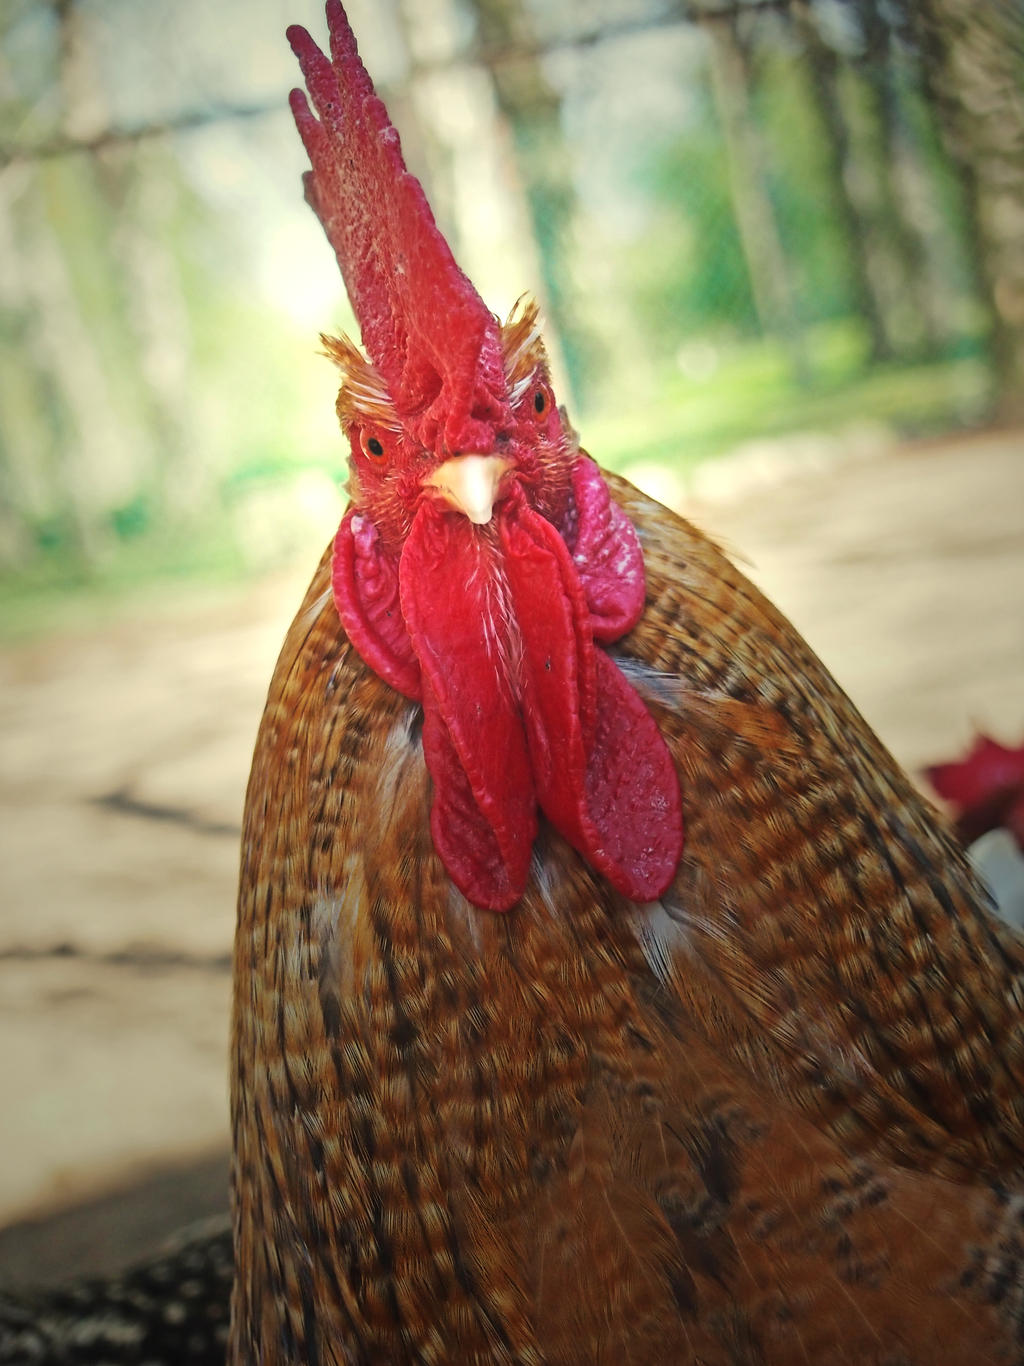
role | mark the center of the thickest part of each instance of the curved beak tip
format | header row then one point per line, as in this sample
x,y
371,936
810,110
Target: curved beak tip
x,y
470,483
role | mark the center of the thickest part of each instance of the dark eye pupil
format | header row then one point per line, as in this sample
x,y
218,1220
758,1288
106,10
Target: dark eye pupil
x,y
374,446
539,401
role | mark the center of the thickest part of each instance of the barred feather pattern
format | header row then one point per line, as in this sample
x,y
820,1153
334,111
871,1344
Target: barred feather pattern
x,y
775,1117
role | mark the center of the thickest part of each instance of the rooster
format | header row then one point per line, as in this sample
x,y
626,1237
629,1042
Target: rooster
x,y
603,991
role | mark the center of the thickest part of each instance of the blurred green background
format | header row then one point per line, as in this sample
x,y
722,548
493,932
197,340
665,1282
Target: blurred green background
x,y
742,220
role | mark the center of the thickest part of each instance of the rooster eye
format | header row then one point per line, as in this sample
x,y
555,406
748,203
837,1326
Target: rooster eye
x,y
372,447
540,402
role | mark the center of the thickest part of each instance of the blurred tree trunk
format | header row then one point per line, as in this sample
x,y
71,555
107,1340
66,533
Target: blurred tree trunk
x,y
64,283
26,426
532,112
770,276
102,453
911,285
823,61
974,70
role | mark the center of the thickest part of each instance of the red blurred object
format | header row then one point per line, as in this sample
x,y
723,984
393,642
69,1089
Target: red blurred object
x,y
985,789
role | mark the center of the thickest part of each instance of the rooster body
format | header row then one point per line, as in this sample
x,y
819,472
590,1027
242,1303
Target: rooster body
x,y
774,1117
510,1088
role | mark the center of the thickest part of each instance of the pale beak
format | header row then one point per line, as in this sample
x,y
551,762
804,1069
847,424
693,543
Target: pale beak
x,y
470,484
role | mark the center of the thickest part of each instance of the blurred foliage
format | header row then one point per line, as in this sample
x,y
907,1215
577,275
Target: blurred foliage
x,y
687,274
161,283
742,393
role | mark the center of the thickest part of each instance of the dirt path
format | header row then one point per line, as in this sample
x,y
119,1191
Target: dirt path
x,y
125,753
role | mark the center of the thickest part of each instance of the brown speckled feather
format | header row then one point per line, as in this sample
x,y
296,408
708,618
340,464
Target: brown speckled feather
x,y
774,1118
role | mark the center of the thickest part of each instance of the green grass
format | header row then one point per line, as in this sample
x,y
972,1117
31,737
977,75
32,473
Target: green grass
x,y
752,394
57,594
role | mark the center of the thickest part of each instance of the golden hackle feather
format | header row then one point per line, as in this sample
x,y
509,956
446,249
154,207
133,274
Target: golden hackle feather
x,y
363,395
774,1118
522,347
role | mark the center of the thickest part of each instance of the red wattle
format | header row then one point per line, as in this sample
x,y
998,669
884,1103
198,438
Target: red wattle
x,y
484,817
603,773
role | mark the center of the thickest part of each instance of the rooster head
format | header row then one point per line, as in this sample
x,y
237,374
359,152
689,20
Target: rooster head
x,y
394,470
482,560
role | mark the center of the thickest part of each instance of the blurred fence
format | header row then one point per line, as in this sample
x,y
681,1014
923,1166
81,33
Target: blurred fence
x,y
739,218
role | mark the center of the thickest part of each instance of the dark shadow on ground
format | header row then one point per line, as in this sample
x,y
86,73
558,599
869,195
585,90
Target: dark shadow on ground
x,y
126,1224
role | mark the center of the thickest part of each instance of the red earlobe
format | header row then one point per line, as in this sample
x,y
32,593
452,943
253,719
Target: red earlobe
x,y
607,556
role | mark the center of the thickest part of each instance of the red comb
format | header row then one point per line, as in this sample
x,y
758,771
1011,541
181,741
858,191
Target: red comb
x,y
426,328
